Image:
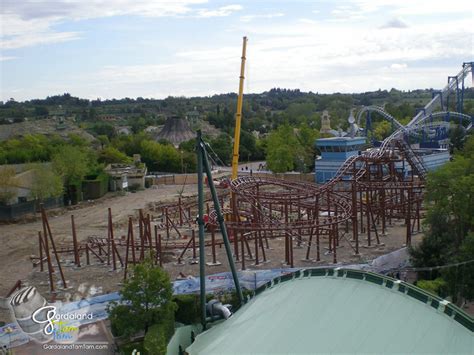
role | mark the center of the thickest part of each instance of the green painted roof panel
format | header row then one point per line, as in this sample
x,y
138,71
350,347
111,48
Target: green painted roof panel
x,y
335,315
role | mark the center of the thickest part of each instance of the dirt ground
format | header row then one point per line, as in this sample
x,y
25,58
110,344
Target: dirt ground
x,y
20,241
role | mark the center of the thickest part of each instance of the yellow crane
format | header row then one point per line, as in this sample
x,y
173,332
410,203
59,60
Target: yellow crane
x,y
238,115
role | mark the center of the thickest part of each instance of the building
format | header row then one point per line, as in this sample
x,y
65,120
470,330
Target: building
x,y
16,190
123,130
433,158
151,129
176,130
339,311
193,116
109,118
334,152
19,189
123,176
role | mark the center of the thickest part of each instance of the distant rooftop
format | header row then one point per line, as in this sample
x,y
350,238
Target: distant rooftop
x,y
121,169
340,141
340,311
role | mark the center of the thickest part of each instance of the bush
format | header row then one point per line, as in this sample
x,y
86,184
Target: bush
x,y
232,299
188,311
128,348
437,286
146,301
155,340
189,307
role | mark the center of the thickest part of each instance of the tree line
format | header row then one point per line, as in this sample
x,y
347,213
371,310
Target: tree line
x,y
449,229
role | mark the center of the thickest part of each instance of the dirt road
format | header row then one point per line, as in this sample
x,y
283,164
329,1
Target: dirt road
x,y
19,241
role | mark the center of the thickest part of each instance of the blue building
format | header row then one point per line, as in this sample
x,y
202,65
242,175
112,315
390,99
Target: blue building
x,y
334,151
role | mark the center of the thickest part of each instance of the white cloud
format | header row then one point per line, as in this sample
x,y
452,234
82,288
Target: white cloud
x,y
248,18
77,9
220,12
349,55
29,22
414,7
398,66
316,56
18,32
394,23
307,20
328,57
5,58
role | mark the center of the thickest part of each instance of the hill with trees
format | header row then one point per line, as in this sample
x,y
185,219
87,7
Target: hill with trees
x,y
277,124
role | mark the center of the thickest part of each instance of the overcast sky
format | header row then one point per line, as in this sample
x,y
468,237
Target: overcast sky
x,y
157,48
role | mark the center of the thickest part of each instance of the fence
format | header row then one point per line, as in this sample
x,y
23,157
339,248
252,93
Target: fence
x,y
190,179
18,210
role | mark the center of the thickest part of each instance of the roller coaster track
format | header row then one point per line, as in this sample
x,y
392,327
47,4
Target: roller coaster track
x,y
413,159
422,116
427,112
434,119
253,194
442,95
380,111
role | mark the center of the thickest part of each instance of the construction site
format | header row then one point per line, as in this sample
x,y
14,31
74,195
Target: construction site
x,y
366,204
370,204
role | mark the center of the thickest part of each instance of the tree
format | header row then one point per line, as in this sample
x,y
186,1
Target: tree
x,y
155,341
146,301
104,140
72,164
41,111
138,125
382,130
436,286
103,129
457,136
160,157
307,137
222,146
45,182
450,189
283,149
188,146
460,278
248,146
111,154
7,184
449,238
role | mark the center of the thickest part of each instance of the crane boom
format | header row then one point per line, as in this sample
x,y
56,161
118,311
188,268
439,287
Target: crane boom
x,y
238,115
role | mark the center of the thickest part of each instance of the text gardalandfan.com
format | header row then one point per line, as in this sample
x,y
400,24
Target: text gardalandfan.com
x,y
75,346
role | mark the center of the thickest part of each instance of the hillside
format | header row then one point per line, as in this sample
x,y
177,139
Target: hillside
x,y
46,127
262,112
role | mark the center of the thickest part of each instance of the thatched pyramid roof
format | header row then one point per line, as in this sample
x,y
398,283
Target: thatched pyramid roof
x,y
176,130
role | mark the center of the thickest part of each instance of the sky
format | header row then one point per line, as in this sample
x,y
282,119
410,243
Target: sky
x,y
158,48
